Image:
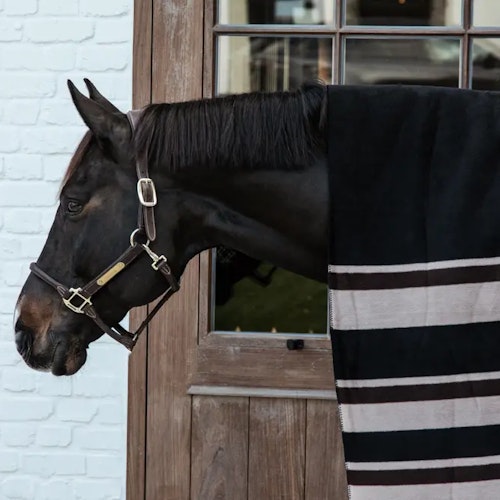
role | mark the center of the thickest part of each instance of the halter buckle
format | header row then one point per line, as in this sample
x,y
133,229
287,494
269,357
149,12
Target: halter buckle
x,y
79,309
146,192
158,262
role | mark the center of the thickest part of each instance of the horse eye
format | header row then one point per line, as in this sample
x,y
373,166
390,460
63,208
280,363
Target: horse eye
x,y
74,207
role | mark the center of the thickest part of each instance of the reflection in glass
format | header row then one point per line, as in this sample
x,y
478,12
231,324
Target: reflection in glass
x,y
404,12
271,63
412,61
276,11
486,13
250,295
486,64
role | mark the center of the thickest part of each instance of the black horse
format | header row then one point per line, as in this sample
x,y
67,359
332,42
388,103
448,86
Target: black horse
x,y
247,172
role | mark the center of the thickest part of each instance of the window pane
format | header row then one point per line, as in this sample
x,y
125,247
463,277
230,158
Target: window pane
x,y
250,295
486,13
271,63
486,64
403,12
276,11
413,61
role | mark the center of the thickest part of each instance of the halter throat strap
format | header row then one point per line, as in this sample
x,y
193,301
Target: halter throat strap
x,y
79,299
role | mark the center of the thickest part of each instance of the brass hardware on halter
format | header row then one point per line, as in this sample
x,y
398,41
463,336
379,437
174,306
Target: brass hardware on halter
x,y
111,273
80,309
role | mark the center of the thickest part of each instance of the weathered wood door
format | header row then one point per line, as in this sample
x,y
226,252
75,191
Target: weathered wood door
x,y
219,416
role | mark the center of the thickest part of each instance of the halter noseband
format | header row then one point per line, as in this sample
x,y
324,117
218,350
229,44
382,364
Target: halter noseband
x,y
79,300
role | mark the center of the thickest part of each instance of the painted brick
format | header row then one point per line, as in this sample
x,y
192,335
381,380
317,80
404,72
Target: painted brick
x,y
50,139
21,56
114,85
60,113
59,30
24,409
98,489
105,466
21,112
23,166
16,435
58,7
14,275
40,129
18,380
56,490
31,246
100,8
54,167
33,193
98,439
8,354
77,410
10,140
54,386
112,31
111,58
18,487
20,8
20,221
110,413
17,84
8,461
53,436
10,248
59,464
97,386
10,31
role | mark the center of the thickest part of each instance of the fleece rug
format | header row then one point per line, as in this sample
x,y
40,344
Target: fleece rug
x,y
414,281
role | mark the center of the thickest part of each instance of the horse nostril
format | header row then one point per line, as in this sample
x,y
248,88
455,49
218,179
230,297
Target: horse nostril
x,y
24,338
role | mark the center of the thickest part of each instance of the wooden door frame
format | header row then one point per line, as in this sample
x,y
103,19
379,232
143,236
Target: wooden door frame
x,y
179,357
166,67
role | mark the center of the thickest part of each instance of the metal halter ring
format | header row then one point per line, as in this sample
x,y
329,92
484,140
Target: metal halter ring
x,y
134,233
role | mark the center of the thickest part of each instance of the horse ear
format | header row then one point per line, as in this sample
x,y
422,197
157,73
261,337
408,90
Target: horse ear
x,y
96,96
111,128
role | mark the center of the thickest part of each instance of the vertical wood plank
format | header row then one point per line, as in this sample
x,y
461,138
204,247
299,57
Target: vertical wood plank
x,y
137,371
176,76
325,470
276,449
171,344
219,448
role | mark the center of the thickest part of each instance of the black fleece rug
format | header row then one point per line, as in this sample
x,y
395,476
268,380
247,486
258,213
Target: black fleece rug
x,y
414,282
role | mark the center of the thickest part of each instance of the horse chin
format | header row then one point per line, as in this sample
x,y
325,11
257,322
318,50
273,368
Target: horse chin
x,y
68,359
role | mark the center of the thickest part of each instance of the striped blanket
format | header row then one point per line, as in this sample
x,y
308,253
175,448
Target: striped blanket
x,y
414,282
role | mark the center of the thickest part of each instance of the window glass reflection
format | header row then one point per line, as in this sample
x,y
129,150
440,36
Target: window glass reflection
x,y
486,13
250,295
276,11
403,12
486,64
412,61
271,63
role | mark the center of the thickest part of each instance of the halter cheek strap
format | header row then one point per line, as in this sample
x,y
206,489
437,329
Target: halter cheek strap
x,y
79,300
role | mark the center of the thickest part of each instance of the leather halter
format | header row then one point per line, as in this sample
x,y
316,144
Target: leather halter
x,y
79,300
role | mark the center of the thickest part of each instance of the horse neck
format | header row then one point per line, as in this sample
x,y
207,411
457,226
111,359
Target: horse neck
x,y
271,215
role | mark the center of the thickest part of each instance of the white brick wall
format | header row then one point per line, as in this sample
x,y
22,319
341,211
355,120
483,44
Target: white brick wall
x,y
60,438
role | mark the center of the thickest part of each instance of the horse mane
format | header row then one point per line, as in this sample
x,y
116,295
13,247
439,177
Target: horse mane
x,y
279,130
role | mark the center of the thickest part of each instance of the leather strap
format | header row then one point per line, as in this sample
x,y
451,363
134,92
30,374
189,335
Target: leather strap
x,y
145,186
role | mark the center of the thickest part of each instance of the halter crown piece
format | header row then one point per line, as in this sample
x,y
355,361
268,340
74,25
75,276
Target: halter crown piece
x,y
79,299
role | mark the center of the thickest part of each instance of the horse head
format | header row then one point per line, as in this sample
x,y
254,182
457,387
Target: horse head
x,y
97,213
218,180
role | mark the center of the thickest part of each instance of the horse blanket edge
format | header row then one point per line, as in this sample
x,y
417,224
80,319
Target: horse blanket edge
x,y
414,289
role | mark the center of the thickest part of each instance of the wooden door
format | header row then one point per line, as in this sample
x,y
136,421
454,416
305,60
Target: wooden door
x,y
219,416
